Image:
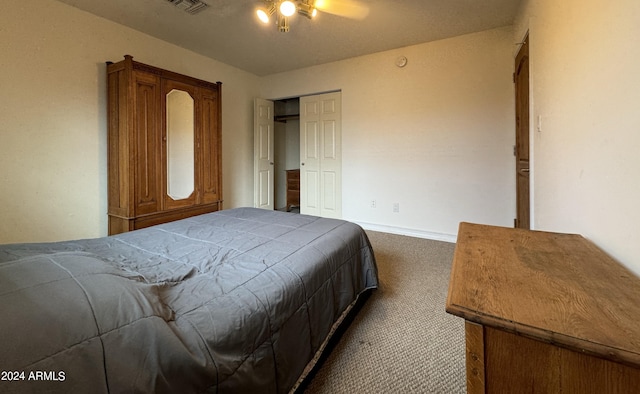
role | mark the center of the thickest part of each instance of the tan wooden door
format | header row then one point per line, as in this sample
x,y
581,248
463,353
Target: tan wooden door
x,y
521,78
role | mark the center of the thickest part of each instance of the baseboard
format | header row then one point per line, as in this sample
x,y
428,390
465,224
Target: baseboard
x,y
408,232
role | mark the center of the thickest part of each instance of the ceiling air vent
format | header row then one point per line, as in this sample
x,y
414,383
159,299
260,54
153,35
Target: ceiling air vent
x,y
190,6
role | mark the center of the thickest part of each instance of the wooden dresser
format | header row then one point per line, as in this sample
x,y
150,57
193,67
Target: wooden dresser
x,y
293,189
545,313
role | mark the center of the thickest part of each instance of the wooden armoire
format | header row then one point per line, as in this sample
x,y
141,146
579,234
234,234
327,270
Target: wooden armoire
x,y
164,146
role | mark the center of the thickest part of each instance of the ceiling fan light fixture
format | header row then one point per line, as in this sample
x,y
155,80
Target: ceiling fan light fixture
x,y
307,8
264,13
287,8
283,24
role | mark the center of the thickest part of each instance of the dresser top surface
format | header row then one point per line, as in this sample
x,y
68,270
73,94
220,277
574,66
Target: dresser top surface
x,y
557,288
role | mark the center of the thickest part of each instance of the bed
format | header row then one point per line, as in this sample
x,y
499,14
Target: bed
x,y
240,300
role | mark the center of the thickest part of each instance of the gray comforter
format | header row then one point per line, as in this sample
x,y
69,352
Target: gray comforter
x,y
230,302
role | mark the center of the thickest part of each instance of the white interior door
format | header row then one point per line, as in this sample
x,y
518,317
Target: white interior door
x,y
263,154
321,155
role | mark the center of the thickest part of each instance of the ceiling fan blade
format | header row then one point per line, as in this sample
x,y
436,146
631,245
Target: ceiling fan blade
x,y
353,9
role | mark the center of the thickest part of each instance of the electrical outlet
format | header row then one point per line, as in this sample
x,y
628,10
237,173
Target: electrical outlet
x,y
373,203
396,207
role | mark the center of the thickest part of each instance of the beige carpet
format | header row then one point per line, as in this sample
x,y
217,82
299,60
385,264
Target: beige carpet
x,y
402,340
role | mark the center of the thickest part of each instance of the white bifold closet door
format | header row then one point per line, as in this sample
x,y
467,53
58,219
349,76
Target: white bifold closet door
x,y
321,155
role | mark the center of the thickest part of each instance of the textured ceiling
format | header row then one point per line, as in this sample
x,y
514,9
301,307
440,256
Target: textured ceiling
x,y
229,31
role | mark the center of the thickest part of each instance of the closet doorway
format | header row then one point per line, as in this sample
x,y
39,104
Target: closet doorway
x,y
299,138
287,154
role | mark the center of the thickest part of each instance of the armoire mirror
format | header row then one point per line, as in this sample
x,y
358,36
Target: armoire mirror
x,y
180,144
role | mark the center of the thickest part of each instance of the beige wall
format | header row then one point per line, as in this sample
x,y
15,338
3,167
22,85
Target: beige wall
x,y
53,117
585,57
435,136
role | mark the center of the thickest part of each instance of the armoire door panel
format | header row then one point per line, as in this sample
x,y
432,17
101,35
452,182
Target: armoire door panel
x,y
118,140
210,147
147,144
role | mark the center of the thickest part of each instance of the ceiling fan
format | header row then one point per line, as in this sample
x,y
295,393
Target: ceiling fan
x,y
284,9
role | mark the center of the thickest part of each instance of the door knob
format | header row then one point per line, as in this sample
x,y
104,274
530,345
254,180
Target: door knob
x,y
302,164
